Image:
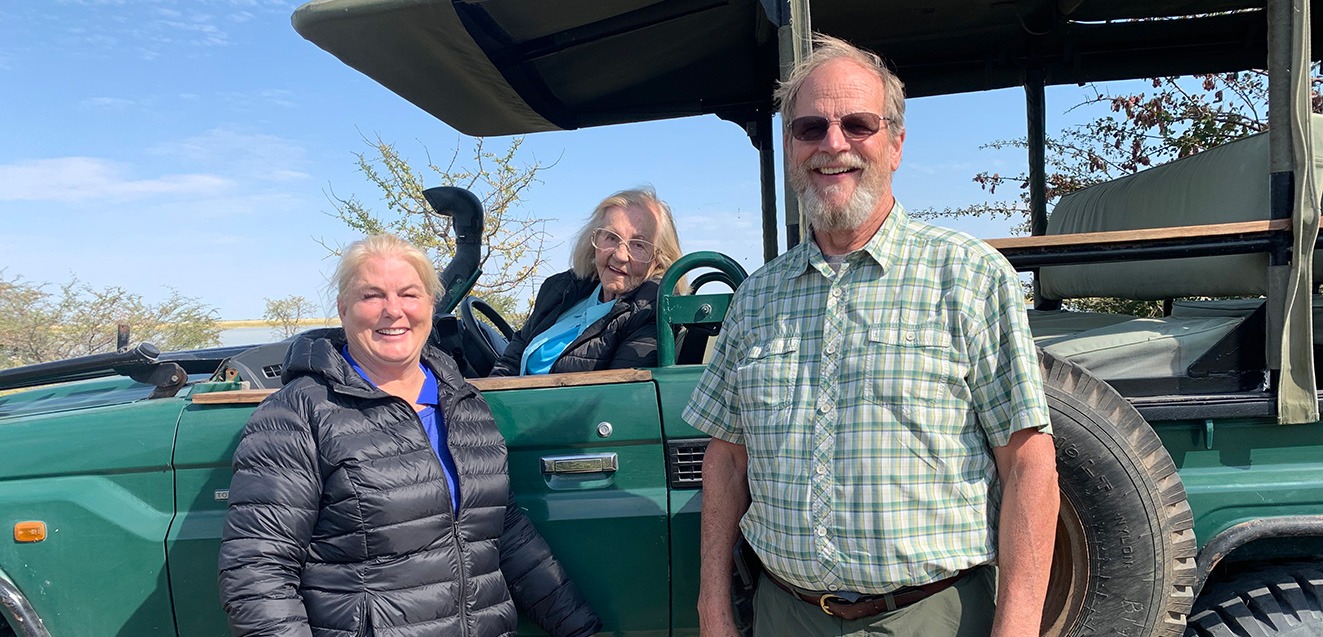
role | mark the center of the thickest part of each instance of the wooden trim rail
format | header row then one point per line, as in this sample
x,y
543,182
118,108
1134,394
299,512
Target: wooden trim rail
x,y
542,381
1240,237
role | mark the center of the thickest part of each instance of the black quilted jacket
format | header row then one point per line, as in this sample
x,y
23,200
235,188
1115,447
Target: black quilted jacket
x,y
626,337
340,521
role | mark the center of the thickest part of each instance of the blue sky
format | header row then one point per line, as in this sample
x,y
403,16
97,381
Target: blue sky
x,y
189,145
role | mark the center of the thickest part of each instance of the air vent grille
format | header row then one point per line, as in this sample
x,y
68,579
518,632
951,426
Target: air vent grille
x,y
685,462
272,371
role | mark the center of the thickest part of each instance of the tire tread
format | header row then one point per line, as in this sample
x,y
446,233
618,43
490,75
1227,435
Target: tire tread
x,y
1133,433
1262,603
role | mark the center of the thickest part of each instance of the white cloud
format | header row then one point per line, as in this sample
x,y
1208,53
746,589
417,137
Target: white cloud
x,y
109,103
740,235
252,155
195,29
255,101
77,179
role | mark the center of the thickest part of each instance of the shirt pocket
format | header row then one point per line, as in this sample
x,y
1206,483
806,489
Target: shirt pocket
x,y
912,364
767,377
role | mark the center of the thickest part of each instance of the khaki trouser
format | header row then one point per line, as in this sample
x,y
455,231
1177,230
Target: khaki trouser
x,y
963,610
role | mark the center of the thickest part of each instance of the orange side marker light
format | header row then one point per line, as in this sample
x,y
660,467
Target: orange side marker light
x,y
31,531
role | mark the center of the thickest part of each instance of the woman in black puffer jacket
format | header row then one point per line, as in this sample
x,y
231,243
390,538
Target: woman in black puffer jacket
x,y
370,494
602,313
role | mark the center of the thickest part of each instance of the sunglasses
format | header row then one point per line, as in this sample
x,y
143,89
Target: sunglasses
x,y
855,126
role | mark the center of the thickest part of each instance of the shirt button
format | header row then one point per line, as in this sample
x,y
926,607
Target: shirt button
x,y
836,292
822,471
831,348
823,405
822,532
909,336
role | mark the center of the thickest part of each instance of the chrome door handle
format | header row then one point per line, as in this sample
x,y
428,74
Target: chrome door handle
x,y
587,463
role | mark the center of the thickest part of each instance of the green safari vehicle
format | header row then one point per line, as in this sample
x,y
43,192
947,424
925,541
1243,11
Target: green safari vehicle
x,y
1189,447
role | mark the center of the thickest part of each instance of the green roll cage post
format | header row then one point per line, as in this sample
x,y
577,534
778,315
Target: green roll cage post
x,y
693,309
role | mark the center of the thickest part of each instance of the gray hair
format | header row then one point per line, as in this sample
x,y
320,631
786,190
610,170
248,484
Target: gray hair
x,y
828,49
383,245
583,257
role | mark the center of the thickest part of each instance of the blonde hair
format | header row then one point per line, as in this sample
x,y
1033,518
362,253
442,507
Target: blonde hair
x,y
828,49
383,245
583,257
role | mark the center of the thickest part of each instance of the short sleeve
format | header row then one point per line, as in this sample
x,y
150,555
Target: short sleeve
x,y
1005,380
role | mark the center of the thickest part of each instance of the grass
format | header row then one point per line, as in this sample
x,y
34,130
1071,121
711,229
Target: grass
x,y
312,322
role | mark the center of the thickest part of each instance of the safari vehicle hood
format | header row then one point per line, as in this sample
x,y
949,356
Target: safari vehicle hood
x,y
85,394
503,67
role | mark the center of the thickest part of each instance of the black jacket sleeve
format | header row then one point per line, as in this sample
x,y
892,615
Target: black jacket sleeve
x,y
558,291
638,340
538,583
272,509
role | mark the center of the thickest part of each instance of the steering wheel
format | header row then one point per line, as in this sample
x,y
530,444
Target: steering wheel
x,y
483,344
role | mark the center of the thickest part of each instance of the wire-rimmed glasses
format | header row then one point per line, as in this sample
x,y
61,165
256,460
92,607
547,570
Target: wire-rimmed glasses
x,y
639,250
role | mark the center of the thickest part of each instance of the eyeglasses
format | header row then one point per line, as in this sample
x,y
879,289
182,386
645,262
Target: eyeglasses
x,y
855,126
639,250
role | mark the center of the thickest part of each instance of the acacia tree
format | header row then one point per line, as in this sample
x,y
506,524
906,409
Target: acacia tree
x,y
287,313
513,241
1180,116
39,325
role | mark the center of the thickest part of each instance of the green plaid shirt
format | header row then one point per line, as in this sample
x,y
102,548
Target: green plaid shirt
x,y
868,400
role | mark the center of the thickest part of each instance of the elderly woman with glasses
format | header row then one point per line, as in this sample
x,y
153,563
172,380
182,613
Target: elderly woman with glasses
x,y
601,314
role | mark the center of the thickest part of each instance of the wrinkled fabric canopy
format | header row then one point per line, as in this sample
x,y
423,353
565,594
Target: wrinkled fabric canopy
x,y
501,67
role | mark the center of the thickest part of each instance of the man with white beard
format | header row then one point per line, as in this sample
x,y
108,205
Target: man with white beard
x,y
879,430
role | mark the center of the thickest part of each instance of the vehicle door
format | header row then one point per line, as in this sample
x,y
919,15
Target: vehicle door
x,y
588,466
207,437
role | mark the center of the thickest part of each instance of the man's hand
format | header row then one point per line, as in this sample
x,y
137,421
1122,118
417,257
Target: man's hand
x,y
725,499
1027,467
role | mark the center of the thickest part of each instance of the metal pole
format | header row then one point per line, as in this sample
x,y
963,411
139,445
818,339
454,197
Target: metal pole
x,y
1035,110
1280,166
795,41
767,174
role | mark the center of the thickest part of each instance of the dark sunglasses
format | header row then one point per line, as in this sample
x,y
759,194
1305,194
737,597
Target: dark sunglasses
x,y
855,126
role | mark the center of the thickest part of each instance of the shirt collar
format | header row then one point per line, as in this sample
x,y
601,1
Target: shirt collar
x,y
883,246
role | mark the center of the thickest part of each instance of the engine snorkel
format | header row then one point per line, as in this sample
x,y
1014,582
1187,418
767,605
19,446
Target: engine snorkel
x,y
465,211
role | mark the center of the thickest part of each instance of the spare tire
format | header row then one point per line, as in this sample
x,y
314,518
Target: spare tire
x,y
1124,562
1282,600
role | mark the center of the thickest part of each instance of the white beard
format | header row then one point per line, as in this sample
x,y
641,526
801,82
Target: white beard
x,y
823,216
828,218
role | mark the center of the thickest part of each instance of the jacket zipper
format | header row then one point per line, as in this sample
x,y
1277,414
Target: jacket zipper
x,y
452,401
463,579
462,598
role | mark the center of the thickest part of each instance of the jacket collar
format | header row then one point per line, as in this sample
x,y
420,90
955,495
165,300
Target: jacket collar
x,y
317,353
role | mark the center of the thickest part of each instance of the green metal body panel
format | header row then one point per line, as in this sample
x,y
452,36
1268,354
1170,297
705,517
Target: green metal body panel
x,y
609,529
204,447
100,479
1253,469
674,387
134,494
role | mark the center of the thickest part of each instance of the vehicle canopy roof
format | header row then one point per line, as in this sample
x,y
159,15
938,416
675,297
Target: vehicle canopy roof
x,y
501,67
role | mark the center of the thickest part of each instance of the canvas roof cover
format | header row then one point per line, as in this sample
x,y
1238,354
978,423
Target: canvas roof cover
x,y
499,67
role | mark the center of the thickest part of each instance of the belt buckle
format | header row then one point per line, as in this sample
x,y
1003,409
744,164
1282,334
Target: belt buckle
x,y
822,602
888,601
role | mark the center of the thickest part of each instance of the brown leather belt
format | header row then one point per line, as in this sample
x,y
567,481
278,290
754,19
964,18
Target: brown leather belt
x,y
868,605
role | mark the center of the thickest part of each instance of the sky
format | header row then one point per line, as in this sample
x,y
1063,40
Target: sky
x,y
191,145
